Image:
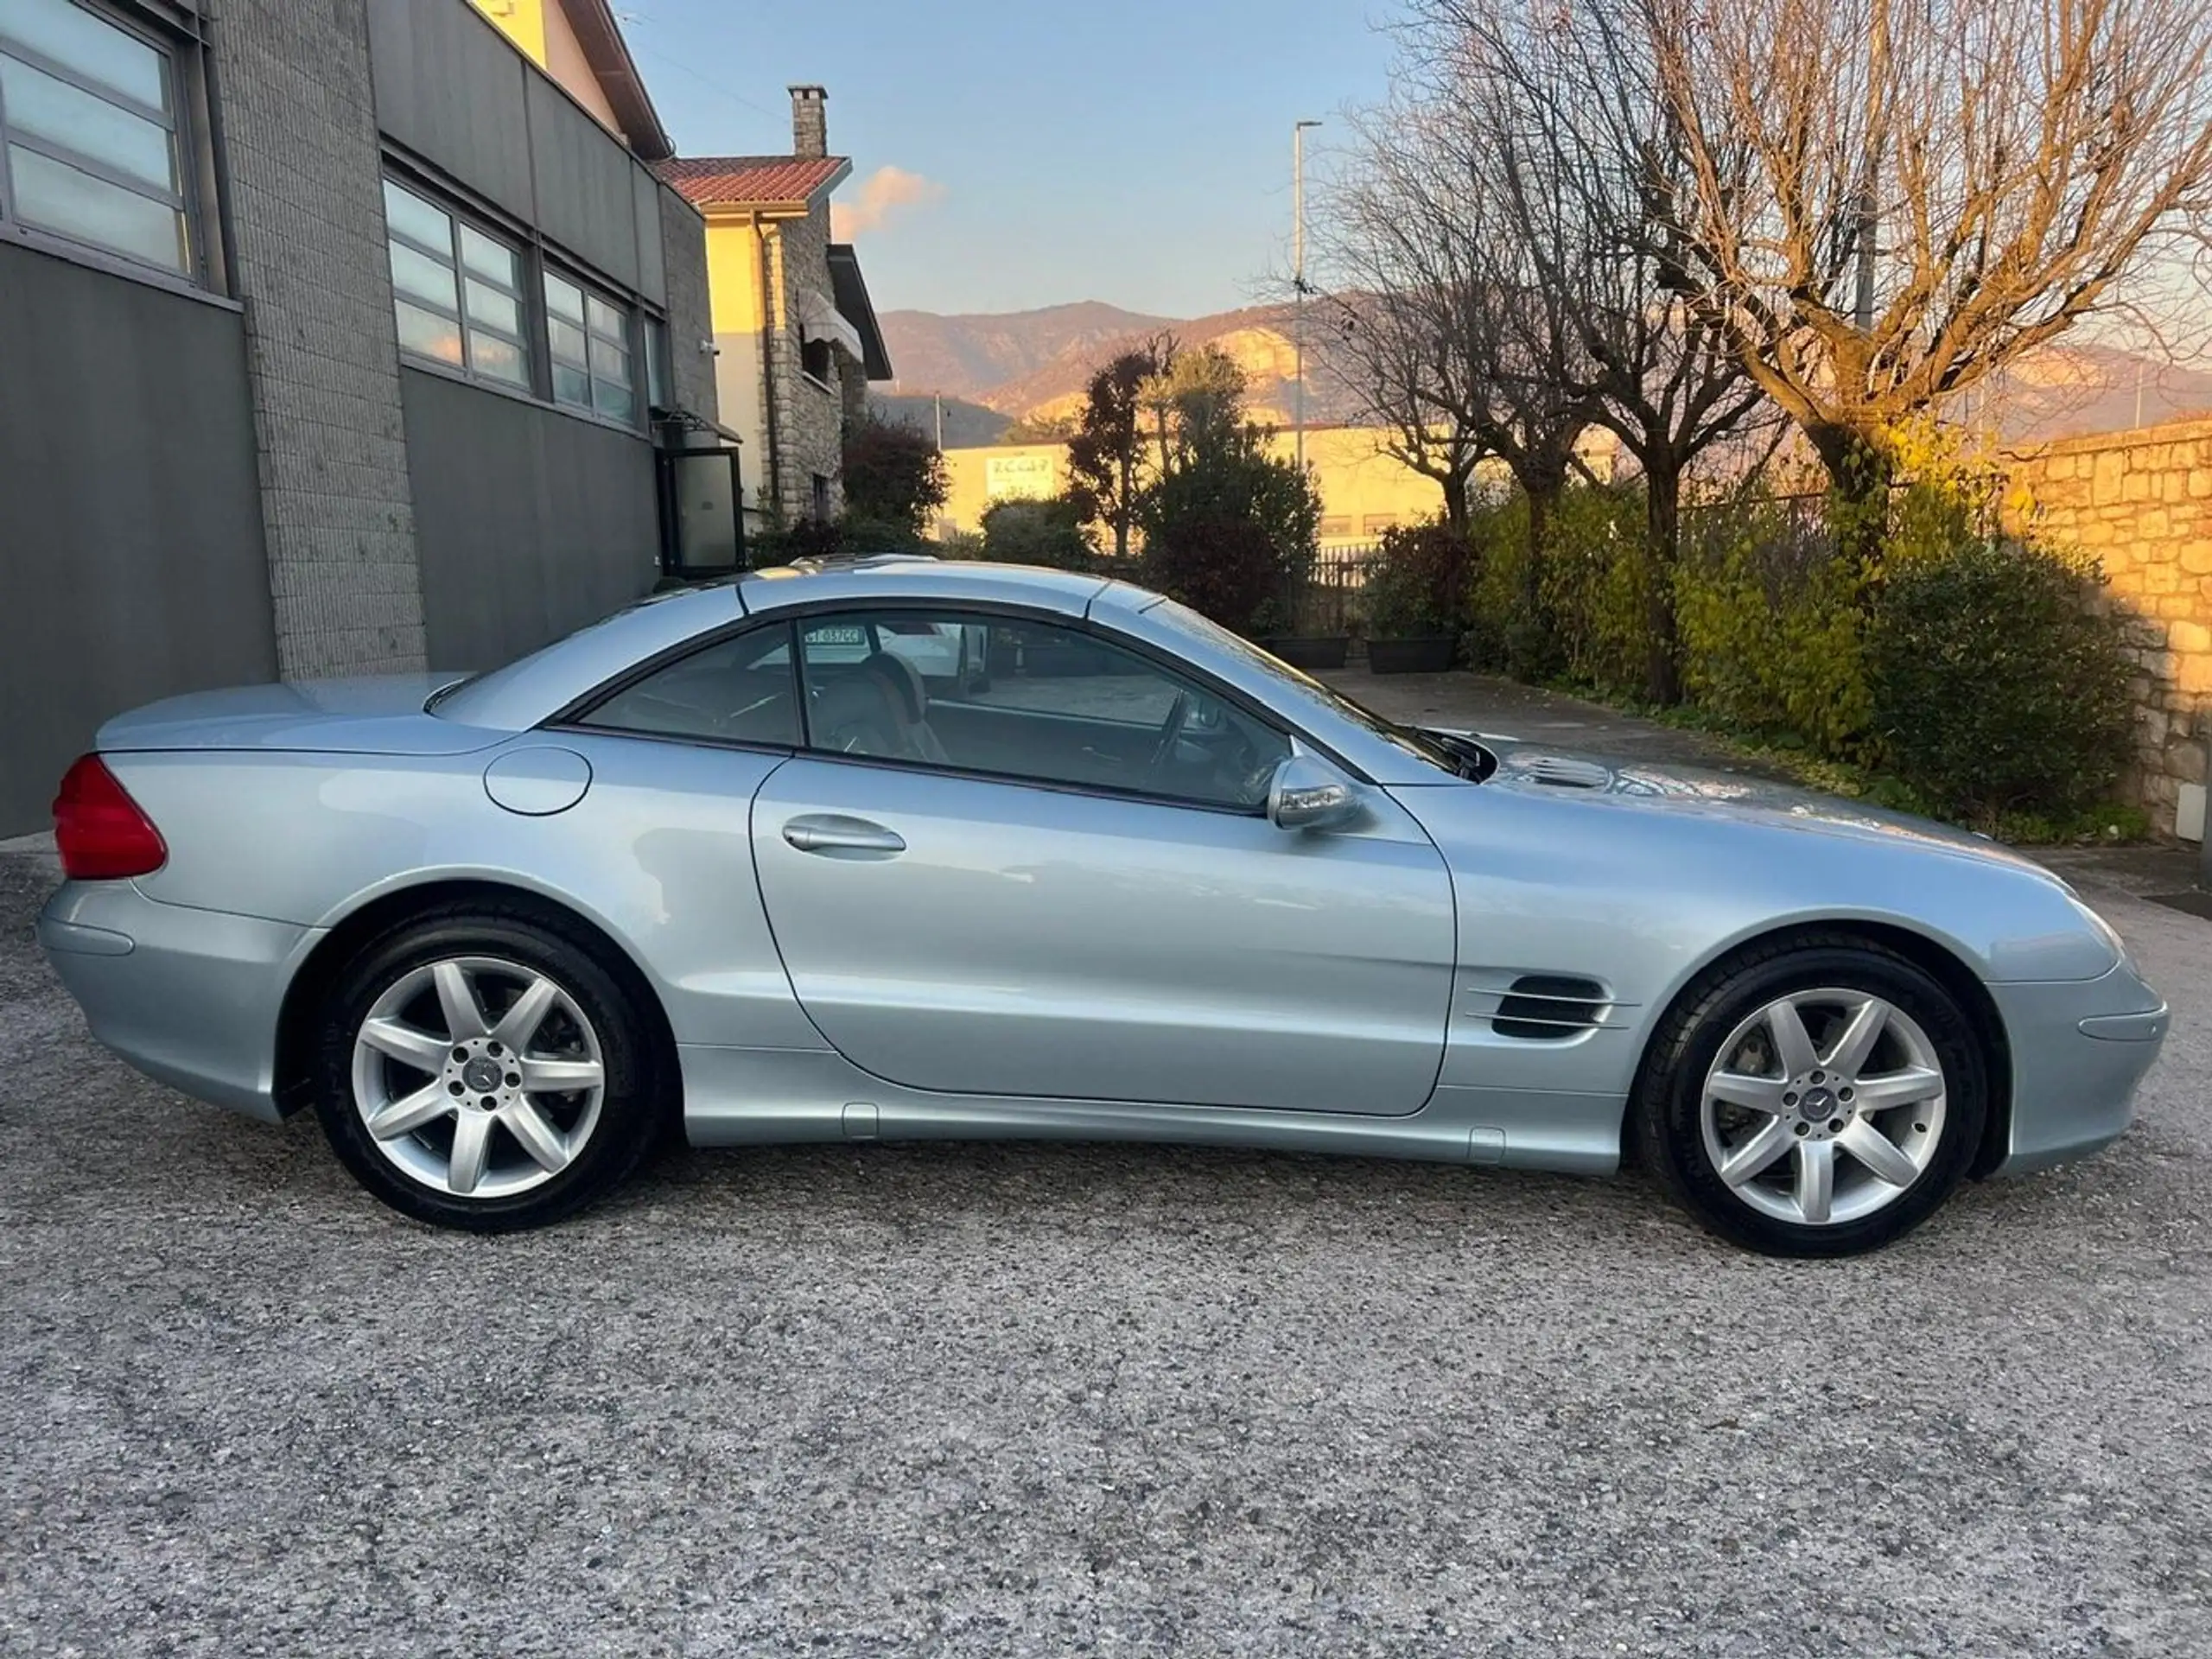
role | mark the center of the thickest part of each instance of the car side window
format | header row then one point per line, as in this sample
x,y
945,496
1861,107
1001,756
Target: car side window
x,y
737,690
1030,701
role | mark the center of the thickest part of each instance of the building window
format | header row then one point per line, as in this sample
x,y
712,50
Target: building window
x,y
821,499
1335,528
457,290
814,359
1375,522
590,338
89,121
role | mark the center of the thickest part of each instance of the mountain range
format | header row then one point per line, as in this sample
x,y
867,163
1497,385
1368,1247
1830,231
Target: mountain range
x,y
986,370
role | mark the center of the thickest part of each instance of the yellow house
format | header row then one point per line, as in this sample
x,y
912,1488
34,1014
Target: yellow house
x,y
796,338
580,46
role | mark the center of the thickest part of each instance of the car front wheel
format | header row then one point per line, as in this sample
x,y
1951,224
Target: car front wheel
x,y
1817,1098
483,1071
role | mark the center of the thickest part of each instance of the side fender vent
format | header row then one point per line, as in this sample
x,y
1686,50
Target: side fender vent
x,y
1549,1007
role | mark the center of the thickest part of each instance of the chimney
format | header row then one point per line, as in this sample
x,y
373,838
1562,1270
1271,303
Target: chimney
x,y
809,121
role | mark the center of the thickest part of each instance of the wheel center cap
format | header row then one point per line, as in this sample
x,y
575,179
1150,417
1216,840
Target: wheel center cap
x,y
1818,1102
481,1075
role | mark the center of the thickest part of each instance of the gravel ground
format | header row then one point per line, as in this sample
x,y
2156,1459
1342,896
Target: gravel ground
x,y
1036,1400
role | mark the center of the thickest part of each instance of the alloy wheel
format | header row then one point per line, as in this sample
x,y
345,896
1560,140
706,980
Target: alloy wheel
x,y
1823,1107
478,1077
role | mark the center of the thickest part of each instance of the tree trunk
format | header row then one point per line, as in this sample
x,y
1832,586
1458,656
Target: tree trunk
x,y
1122,508
1543,495
1860,471
1662,510
1457,501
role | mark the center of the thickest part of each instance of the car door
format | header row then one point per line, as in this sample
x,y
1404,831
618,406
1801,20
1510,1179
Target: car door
x,y
1079,895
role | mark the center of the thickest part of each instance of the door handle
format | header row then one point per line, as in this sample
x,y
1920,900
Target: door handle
x,y
835,835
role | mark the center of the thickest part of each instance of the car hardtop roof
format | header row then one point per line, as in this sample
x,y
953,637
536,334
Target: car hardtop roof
x,y
534,688
879,578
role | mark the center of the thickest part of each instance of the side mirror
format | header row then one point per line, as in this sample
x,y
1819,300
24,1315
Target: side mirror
x,y
1308,794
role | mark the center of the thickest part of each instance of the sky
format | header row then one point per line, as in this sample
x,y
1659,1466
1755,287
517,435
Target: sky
x,y
1134,151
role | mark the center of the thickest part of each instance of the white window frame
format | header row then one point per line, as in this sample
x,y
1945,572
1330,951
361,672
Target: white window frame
x,y
181,90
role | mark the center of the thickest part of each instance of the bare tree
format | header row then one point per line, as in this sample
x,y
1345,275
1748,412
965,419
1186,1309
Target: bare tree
x,y
1456,339
1570,123
1397,366
1885,201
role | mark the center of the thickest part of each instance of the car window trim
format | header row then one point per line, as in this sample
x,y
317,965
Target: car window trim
x,y
1022,780
791,616
734,745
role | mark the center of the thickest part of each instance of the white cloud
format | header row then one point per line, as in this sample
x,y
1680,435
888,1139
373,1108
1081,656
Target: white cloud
x,y
882,194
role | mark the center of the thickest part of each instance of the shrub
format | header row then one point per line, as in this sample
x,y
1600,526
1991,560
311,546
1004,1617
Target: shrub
x,y
859,534
1218,470
1771,629
1222,566
1497,637
893,475
1597,588
1047,532
807,539
1417,584
1995,687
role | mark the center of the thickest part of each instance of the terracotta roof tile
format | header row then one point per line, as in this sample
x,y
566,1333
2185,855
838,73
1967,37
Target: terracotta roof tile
x,y
750,181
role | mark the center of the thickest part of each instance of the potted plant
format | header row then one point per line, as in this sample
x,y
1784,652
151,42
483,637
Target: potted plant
x,y
1412,598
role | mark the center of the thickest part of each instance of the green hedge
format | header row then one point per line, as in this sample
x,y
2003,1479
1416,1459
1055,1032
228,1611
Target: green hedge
x,y
1770,630
1983,674
1996,683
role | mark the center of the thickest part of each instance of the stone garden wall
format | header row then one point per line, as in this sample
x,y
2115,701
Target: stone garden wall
x,y
2141,501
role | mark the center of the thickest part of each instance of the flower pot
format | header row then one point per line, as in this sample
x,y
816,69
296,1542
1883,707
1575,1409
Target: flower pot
x,y
1427,654
1311,650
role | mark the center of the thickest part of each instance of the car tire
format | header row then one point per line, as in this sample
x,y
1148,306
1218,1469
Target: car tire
x,y
542,1139
1742,1145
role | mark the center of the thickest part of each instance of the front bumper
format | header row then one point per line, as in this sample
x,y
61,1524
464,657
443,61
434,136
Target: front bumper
x,y
190,997
2079,1050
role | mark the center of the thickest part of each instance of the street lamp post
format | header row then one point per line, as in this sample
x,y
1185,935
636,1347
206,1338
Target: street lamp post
x,y
1298,278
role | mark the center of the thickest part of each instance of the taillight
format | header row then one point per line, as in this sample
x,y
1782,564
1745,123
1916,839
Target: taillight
x,y
99,829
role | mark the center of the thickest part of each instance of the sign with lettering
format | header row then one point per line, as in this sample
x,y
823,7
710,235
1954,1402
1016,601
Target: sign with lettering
x,y
1021,478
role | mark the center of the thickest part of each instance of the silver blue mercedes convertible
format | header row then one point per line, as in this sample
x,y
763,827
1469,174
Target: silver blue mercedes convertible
x,y
897,849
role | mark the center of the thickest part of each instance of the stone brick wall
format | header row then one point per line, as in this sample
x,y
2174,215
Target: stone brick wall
x,y
690,314
809,421
300,134
2142,502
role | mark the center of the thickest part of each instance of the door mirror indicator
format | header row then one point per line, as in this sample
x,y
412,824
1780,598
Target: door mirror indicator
x,y
1306,794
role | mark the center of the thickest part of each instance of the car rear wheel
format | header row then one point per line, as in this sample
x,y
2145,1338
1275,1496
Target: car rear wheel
x,y
1817,1098
485,1071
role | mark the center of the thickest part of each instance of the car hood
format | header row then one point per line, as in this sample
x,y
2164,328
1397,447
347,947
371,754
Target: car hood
x,y
370,715
1539,769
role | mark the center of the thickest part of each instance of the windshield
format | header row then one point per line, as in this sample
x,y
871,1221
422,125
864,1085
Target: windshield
x,y
1460,757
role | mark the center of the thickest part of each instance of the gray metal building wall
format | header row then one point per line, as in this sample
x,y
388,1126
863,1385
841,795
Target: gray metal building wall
x,y
690,311
130,537
192,493
530,523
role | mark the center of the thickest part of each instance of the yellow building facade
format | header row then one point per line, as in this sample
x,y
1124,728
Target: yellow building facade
x,y
1365,490
579,44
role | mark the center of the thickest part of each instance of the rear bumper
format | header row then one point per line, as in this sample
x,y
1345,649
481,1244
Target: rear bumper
x,y
2079,1051
189,997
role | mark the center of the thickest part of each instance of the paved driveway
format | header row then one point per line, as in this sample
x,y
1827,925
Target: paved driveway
x,y
1039,1400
